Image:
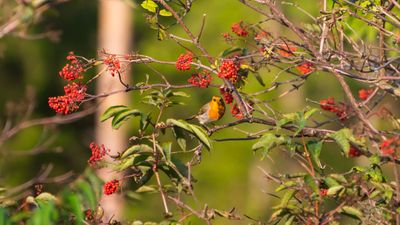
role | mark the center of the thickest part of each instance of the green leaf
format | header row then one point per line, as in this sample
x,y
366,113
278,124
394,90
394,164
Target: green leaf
x,y
88,193
46,197
195,130
267,142
135,149
164,12
332,191
338,177
149,5
180,137
74,203
167,149
161,34
201,135
309,180
4,219
314,148
123,116
135,160
259,78
286,185
289,194
344,138
110,112
352,212
229,51
290,220
330,182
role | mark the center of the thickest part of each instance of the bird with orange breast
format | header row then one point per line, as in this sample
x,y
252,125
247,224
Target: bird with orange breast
x,y
211,111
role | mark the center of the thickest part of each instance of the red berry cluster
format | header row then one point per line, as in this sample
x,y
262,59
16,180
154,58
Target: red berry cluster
x,y
72,70
354,152
98,152
287,51
184,60
113,64
260,36
390,146
68,103
227,37
239,29
323,192
202,79
226,95
364,94
305,68
111,187
89,215
229,70
340,109
236,112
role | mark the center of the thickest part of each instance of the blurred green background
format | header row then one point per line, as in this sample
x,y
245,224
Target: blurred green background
x,y
228,177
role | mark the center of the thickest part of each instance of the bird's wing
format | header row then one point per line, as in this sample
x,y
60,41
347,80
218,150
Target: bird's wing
x,y
204,109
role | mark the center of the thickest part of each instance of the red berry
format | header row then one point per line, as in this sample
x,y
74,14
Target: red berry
x,y
68,103
305,68
113,64
98,152
202,79
354,152
184,60
111,187
229,70
72,70
364,94
239,29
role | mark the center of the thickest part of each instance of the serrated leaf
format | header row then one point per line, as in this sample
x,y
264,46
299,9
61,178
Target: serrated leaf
x,y
352,212
149,5
112,111
267,142
123,116
342,139
164,12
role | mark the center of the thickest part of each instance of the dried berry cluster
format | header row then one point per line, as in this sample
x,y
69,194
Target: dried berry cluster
x,y
339,109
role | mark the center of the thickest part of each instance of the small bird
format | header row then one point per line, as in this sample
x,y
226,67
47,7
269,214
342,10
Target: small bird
x,y
211,111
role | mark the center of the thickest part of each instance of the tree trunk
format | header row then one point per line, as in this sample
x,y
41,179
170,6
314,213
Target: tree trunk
x,y
115,30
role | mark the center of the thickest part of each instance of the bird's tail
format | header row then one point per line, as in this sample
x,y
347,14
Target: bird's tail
x,y
191,118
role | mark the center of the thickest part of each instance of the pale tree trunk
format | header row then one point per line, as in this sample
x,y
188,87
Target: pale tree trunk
x,y
114,36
